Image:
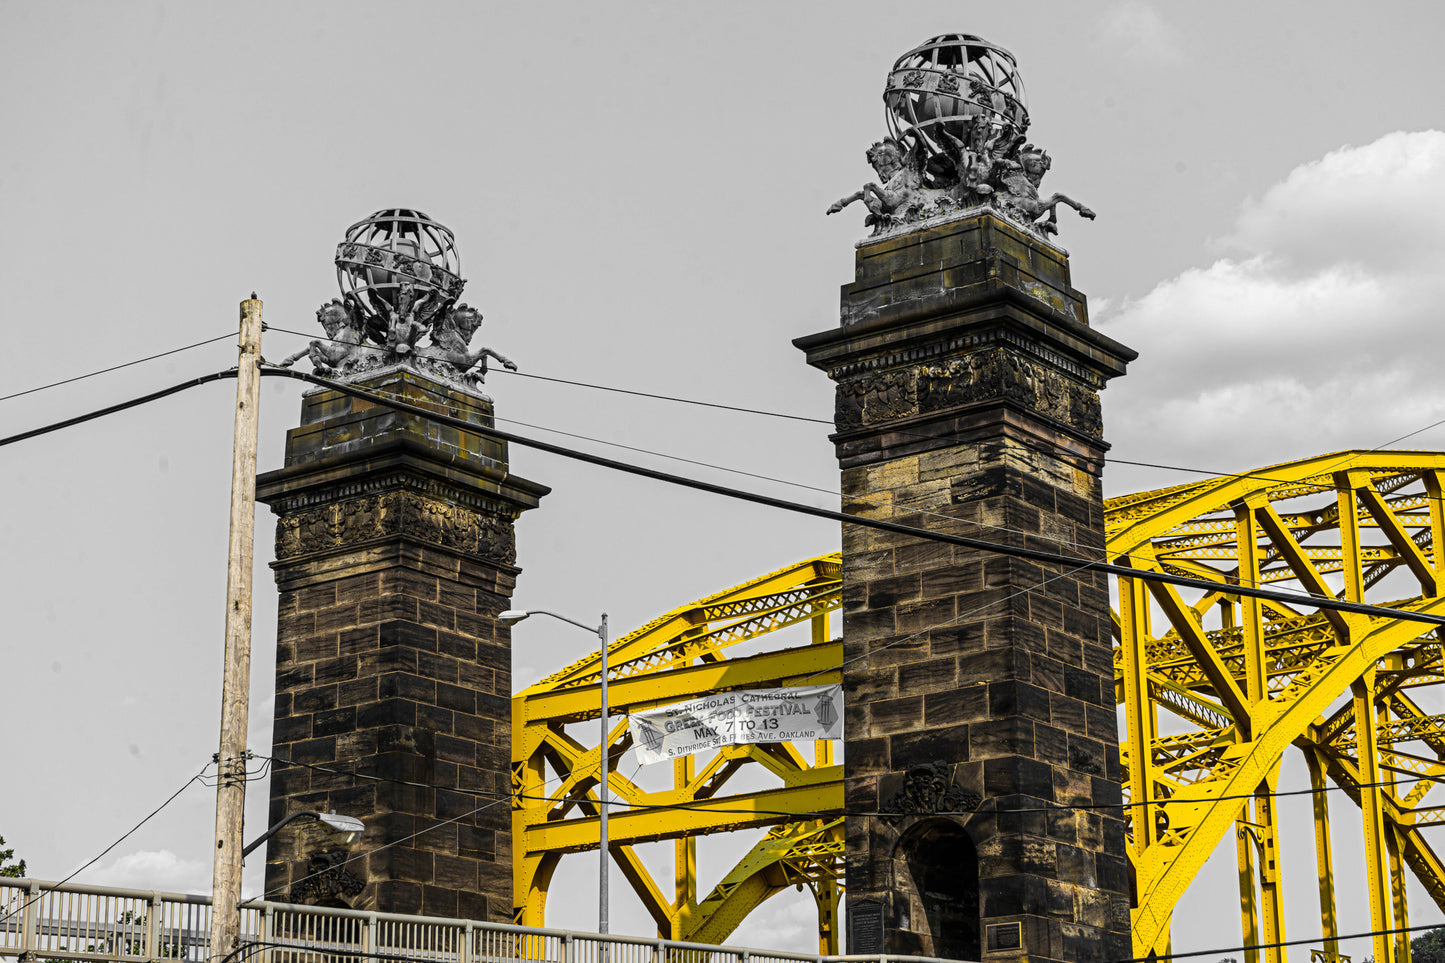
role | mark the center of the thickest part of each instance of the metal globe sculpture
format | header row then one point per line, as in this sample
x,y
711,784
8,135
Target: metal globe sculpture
x,y
392,253
950,82
399,276
957,124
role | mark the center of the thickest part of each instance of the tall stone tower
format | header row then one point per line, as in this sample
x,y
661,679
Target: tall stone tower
x,y
967,403
394,554
981,745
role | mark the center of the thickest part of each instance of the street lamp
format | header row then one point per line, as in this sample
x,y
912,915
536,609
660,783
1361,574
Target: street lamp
x,y
348,826
512,617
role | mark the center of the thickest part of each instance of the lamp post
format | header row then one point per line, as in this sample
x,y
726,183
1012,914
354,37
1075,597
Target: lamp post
x,y
348,826
512,617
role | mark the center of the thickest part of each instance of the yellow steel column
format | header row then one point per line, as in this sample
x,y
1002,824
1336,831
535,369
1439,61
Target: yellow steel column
x,y
1397,886
1377,870
529,894
1435,492
1270,904
1354,576
1392,848
1248,913
1141,720
1138,710
826,893
1324,858
684,860
1247,535
1271,899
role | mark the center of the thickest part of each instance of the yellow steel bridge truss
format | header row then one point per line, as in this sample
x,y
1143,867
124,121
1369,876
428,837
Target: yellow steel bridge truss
x,y
1215,688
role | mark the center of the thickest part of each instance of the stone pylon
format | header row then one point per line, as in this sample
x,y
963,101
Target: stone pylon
x,y
394,554
982,747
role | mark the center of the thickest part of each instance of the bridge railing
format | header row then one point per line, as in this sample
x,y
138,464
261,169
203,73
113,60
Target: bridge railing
x,y
41,921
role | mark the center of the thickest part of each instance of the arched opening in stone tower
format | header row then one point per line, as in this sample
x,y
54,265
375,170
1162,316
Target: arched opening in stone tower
x,y
940,861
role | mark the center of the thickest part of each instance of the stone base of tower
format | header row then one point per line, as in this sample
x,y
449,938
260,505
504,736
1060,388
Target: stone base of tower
x,y
395,552
979,687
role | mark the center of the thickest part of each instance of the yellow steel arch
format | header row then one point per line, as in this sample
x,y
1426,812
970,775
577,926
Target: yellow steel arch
x,y
1215,688
1243,681
670,659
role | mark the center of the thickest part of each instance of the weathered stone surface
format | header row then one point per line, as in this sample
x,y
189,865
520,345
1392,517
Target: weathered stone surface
x,y
967,402
394,553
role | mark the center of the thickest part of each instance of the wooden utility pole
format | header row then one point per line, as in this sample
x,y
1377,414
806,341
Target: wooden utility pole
x,y
236,678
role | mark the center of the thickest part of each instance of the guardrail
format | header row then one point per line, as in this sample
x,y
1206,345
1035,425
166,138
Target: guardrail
x,y
41,921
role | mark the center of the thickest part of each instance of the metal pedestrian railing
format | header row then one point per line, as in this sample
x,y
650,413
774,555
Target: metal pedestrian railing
x,y
42,921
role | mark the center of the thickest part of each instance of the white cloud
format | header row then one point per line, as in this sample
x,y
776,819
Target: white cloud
x,y
1321,332
152,869
1379,206
1138,30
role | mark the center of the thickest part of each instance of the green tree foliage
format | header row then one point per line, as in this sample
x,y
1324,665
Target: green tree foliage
x,y
14,870
1429,947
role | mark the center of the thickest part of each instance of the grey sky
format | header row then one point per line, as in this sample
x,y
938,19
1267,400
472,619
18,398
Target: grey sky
x,y
638,193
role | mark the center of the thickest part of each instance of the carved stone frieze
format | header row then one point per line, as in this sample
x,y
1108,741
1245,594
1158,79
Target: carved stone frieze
x,y
999,374
327,881
882,396
383,514
989,375
927,789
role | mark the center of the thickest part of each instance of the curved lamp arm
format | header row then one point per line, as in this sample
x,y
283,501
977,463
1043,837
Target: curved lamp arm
x,y
513,616
348,825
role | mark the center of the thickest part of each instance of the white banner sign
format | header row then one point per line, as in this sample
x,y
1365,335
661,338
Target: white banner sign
x,y
734,718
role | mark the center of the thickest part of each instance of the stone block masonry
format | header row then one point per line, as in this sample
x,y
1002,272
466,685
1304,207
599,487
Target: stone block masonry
x,y
981,733
395,551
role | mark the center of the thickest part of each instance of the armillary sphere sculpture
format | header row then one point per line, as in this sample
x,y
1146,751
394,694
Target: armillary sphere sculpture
x,y
400,278
957,122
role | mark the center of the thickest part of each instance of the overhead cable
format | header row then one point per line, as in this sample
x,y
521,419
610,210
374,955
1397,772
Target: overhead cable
x,y
1153,957
124,836
253,946
1036,555
122,406
701,806
117,367
901,431
584,384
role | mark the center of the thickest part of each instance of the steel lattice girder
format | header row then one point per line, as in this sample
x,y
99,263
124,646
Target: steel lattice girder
x,y
1242,691
1270,674
673,658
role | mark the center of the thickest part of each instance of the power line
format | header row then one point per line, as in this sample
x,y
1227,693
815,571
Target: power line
x,y
905,432
117,367
54,886
445,822
255,945
1036,555
826,491
701,806
584,384
122,406
1152,957
397,842
869,653
1072,543
691,461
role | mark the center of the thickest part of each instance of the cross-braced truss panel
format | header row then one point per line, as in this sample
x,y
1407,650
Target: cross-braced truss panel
x,y
1216,687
